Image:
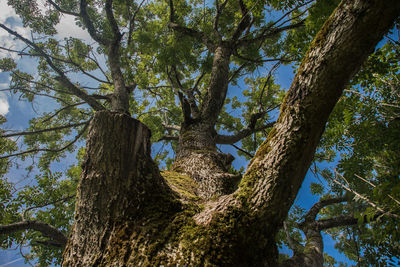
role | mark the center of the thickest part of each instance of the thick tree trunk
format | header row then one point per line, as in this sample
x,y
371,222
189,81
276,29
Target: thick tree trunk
x,y
126,215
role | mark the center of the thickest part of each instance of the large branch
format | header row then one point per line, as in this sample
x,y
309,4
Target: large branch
x,y
44,228
315,209
277,171
89,24
120,96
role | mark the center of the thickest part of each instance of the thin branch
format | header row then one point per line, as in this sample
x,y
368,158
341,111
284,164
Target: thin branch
x,y
268,34
371,184
46,204
219,9
271,71
132,22
62,78
62,109
168,138
45,130
47,149
372,204
253,60
243,151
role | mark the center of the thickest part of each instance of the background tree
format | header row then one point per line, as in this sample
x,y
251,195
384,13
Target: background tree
x,y
121,188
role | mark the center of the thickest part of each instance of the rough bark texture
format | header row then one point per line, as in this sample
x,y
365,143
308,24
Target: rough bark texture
x,y
198,158
127,216
118,180
275,174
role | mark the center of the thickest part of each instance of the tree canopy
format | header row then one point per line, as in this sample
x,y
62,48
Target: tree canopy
x,y
202,76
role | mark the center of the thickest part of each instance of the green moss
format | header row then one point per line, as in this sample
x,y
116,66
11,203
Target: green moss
x,y
182,184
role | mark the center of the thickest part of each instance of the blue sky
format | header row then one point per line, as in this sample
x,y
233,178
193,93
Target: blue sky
x,y
18,114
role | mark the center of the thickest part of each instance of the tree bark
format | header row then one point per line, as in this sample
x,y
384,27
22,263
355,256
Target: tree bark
x,y
126,215
118,181
198,158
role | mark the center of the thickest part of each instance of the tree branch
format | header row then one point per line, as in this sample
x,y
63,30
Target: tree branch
x,y
112,21
47,149
268,34
315,209
231,139
89,24
62,78
45,130
59,9
312,96
44,228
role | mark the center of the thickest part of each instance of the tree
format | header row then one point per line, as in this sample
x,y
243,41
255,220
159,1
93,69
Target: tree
x,y
198,213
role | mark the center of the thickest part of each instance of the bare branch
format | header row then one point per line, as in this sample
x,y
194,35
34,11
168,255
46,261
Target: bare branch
x,y
46,204
371,184
271,71
62,109
368,201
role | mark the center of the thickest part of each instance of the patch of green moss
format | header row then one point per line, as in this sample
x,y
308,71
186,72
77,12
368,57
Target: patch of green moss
x,y
182,184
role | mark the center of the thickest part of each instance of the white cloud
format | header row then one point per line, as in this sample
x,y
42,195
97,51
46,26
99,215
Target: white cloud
x,y
5,11
3,104
67,28
8,17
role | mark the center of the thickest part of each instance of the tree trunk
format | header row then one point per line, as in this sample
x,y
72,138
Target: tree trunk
x,y
198,158
127,215
119,180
